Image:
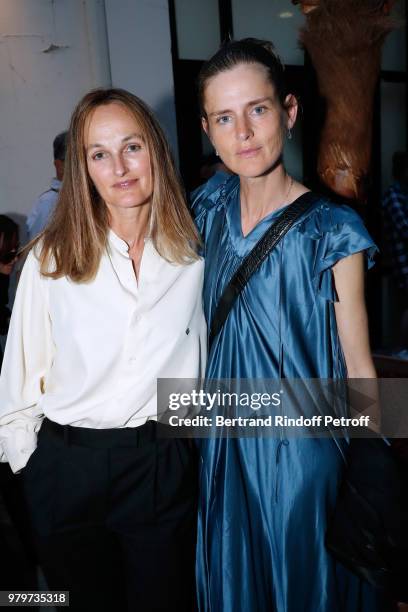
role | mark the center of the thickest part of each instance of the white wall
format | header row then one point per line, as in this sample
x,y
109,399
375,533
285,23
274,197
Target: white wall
x,y
140,55
51,53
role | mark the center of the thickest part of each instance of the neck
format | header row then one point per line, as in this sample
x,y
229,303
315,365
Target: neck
x,y
130,224
264,194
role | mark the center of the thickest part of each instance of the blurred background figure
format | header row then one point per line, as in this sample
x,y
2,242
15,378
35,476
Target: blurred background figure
x,y
44,206
395,215
8,256
15,539
211,164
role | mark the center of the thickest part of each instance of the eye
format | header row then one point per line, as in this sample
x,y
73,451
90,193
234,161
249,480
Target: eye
x,y
222,119
133,147
99,155
259,110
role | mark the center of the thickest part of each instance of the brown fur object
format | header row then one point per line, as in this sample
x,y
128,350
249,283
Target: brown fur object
x,y
307,6
344,39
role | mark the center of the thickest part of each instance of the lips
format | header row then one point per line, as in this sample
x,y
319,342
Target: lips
x,y
249,152
125,184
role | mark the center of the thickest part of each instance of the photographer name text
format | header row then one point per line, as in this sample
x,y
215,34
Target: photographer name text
x,y
269,421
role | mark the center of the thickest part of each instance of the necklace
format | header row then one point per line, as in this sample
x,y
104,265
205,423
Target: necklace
x,y
290,187
253,223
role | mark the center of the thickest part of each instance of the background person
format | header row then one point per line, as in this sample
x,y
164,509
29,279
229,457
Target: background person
x,y
210,165
395,215
45,205
8,256
15,540
108,301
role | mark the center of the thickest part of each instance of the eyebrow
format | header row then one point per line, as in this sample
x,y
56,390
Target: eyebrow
x,y
251,103
126,139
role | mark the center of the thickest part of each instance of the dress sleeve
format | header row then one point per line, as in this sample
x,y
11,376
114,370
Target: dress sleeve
x,y
204,200
27,360
339,232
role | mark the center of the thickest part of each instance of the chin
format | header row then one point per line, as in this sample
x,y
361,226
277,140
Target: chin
x,y
127,200
127,204
257,170
249,167
252,172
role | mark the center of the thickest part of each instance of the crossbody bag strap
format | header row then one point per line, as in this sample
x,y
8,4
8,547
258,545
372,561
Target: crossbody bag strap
x,y
254,259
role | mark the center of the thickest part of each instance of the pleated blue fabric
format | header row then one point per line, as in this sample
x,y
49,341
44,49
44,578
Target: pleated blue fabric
x,y
264,502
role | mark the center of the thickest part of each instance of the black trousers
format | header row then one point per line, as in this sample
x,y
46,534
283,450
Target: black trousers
x,y
114,517
19,571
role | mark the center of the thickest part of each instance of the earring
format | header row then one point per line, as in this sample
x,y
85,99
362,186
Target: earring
x,y
216,152
289,134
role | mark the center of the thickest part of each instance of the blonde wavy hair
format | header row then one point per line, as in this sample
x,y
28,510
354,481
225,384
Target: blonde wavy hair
x,y
73,242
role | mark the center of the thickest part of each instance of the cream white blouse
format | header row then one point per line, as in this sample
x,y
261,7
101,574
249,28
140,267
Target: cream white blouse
x,y
89,354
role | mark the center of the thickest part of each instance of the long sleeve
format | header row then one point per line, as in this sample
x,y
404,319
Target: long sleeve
x,y
27,360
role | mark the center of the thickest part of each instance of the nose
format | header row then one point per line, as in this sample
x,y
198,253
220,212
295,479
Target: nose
x,y
243,128
119,165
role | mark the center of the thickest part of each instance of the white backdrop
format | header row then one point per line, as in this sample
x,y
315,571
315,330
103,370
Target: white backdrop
x,y
54,51
51,53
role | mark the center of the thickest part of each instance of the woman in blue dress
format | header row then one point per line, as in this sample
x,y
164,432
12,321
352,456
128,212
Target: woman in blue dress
x,y
265,501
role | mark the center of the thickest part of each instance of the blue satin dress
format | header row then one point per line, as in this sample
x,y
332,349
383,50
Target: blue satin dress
x,y
264,502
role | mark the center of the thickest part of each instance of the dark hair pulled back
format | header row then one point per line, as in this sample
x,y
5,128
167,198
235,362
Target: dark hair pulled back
x,y
60,146
244,51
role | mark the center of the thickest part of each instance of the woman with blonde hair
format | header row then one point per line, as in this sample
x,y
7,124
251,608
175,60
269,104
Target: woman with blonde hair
x,y
97,319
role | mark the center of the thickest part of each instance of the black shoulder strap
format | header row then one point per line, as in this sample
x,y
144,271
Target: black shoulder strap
x,y
253,260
